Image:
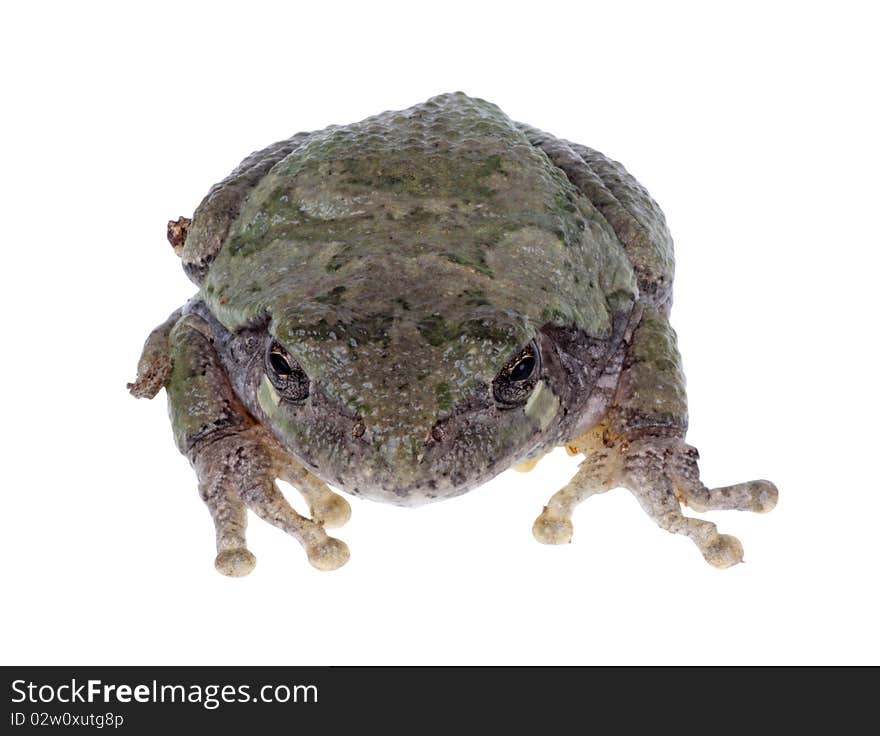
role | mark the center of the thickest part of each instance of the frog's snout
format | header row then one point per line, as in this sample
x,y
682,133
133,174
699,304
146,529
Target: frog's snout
x,y
411,446
407,463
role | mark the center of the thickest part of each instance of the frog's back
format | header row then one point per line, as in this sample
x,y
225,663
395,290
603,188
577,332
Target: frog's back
x,y
450,192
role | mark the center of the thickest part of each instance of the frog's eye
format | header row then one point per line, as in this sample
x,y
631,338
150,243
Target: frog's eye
x,y
286,376
514,383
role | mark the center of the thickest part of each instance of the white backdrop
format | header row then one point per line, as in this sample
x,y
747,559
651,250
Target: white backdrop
x,y
755,129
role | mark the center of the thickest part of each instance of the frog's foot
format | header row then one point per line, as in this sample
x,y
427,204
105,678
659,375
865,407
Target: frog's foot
x,y
176,232
658,472
154,366
236,562
327,508
324,552
237,472
648,469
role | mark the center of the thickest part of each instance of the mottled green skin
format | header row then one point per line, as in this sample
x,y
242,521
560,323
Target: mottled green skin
x,y
355,230
402,261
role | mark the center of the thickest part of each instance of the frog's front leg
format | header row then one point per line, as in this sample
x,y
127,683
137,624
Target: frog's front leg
x,y
640,446
235,458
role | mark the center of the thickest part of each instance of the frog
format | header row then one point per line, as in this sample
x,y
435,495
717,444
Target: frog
x,y
405,307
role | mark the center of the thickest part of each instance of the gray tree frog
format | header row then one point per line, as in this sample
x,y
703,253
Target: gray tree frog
x,y
406,307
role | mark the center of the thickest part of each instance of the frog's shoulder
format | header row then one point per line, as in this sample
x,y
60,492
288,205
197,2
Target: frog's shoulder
x,y
636,218
221,206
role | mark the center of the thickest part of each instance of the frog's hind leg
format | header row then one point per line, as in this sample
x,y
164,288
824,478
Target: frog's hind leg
x,y
235,458
325,506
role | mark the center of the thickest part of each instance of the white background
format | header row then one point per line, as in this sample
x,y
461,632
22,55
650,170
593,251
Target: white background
x,y
754,127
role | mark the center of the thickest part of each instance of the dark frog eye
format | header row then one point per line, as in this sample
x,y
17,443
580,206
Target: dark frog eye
x,y
286,376
515,381
279,364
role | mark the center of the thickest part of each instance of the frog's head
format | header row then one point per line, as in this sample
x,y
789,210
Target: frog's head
x,y
407,410
422,399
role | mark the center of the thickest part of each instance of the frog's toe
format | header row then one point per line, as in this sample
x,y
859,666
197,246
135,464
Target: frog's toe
x,y
755,495
724,550
759,496
596,474
327,508
328,554
267,501
526,466
550,528
150,380
236,562
332,510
